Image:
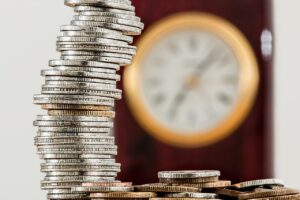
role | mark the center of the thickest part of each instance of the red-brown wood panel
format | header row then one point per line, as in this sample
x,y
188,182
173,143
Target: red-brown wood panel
x,y
246,154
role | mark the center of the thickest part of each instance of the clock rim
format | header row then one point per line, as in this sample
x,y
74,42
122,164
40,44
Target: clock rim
x,y
249,79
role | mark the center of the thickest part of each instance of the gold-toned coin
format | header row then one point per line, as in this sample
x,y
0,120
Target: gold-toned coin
x,y
110,114
74,107
125,195
266,193
189,180
161,187
216,184
168,198
229,192
110,184
285,197
260,182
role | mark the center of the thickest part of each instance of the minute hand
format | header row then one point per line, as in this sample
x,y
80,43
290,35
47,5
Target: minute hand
x,y
206,63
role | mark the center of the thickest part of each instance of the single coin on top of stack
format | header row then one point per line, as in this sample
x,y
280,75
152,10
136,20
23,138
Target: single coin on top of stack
x,y
74,137
270,189
184,185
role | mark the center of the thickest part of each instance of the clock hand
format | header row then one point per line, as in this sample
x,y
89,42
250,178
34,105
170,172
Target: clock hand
x,y
206,63
179,98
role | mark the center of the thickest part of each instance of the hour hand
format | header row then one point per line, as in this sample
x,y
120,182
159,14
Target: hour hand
x,y
177,101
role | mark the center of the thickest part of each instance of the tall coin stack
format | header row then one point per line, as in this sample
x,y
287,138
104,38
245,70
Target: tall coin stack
x,y
74,137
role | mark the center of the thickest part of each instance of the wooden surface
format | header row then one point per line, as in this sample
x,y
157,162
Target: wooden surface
x,y
246,154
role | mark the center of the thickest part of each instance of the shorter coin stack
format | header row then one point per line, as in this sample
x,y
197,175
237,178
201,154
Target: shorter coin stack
x,y
265,189
185,185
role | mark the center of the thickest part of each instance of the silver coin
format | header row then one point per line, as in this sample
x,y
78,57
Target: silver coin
x,y
51,72
92,156
84,168
123,5
111,14
74,130
95,48
87,69
256,183
72,118
67,196
84,33
100,173
65,80
127,30
89,29
188,174
89,53
58,156
121,61
99,9
58,161
78,147
60,191
104,151
102,189
72,135
116,94
76,178
192,195
83,84
83,64
90,39
112,20
59,185
73,156
49,174
73,123
79,161
98,42
78,140
73,99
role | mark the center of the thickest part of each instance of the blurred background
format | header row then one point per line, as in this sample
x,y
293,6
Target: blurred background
x,y
171,117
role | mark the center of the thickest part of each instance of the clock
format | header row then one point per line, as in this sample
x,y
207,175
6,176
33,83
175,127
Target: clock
x,y
193,80
199,92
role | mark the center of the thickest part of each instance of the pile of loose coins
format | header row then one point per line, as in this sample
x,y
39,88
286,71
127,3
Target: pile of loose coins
x,y
74,137
265,189
189,185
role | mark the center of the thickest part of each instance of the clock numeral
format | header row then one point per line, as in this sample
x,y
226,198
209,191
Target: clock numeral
x,y
173,47
231,79
193,45
224,98
159,99
158,62
192,117
153,83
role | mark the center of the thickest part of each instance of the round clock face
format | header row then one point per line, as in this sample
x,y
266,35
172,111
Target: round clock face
x,y
192,81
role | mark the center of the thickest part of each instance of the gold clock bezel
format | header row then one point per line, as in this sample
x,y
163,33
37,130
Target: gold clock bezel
x,y
249,79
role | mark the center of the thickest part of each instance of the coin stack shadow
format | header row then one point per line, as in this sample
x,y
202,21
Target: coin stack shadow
x,y
74,137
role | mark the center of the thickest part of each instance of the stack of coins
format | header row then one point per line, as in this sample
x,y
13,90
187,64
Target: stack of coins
x,y
74,137
185,185
265,189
